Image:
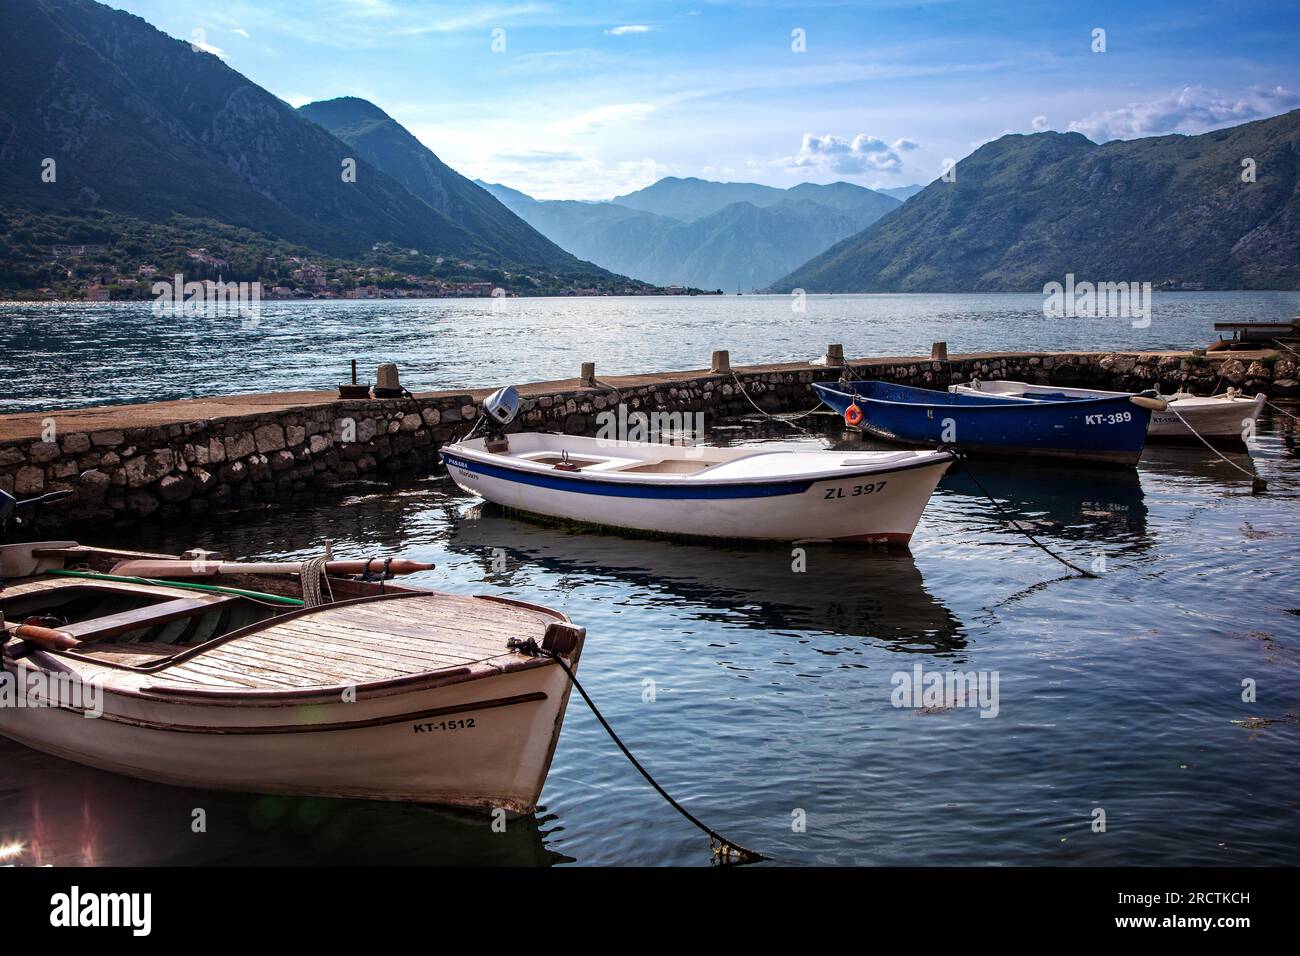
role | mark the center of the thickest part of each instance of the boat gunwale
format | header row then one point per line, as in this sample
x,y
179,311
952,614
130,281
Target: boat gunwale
x,y
1000,403
271,696
1188,400
919,460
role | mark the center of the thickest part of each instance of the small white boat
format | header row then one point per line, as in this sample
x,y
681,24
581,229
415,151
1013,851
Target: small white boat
x,y
1219,418
382,692
694,491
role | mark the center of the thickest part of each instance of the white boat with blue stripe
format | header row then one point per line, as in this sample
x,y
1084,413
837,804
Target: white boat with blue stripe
x,y
695,491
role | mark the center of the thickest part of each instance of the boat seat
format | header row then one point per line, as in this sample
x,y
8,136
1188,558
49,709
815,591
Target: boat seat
x,y
140,618
668,466
134,653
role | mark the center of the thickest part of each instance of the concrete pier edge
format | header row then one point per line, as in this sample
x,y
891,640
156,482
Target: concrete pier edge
x,y
165,460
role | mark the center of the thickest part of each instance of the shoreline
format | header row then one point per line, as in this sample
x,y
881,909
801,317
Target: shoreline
x,y
714,294
166,460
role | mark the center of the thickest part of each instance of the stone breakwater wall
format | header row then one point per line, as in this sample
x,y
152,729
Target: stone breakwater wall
x,y
131,466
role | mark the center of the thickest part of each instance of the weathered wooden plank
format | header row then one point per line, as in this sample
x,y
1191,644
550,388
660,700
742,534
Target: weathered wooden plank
x,y
319,669
414,659
318,661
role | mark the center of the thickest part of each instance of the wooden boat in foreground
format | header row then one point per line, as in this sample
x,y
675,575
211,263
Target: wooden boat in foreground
x,y
737,493
381,692
1104,430
1223,418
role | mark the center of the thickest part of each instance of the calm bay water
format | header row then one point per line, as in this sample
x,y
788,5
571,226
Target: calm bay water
x,y
93,354
772,688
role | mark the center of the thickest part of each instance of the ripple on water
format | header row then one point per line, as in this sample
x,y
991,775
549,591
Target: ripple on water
x,y
771,690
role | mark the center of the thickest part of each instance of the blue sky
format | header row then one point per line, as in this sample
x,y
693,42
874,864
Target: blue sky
x,y
590,100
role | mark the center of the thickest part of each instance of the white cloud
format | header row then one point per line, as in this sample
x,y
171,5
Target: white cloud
x,y
564,174
240,31
853,157
1193,109
603,116
209,48
471,19
1039,123
629,28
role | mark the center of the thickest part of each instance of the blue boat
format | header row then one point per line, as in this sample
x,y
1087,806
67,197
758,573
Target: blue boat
x,y
1110,430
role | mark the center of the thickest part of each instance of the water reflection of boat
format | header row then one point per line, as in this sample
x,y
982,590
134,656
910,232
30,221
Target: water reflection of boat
x,y
842,591
1059,500
1200,464
60,813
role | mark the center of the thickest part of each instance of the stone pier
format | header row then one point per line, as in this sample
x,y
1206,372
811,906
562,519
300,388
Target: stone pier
x,y
168,460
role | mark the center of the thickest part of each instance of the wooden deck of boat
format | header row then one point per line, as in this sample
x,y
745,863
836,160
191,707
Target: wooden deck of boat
x,y
365,642
353,643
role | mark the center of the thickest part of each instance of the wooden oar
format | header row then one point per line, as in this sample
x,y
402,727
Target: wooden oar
x,y
143,568
45,637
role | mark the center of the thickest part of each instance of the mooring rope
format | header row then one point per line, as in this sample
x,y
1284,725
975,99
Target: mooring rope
x,y
724,850
789,420
1025,531
1282,410
612,388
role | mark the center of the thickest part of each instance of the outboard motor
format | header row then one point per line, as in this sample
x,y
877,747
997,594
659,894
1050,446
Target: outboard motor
x,y
9,504
500,409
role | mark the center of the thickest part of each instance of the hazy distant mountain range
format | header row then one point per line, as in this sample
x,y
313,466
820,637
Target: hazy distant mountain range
x,y
1026,210
710,235
110,128
902,193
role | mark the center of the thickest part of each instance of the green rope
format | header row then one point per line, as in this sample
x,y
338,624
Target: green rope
x,y
213,588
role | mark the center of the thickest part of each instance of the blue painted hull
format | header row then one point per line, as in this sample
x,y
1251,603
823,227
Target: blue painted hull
x,y
1109,430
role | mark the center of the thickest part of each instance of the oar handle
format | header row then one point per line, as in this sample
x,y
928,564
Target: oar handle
x,y
45,637
147,568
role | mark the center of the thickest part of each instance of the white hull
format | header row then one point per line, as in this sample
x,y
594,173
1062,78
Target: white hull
x,y
475,751
1221,417
868,497
382,693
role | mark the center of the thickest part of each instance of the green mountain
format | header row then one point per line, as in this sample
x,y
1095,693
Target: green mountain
x,y
1026,210
141,123
114,133
385,144
736,245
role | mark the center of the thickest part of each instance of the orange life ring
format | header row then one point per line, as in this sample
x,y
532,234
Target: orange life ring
x,y
853,416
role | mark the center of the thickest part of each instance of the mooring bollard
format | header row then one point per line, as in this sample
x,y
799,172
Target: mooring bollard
x,y
387,383
939,352
835,354
588,376
721,361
